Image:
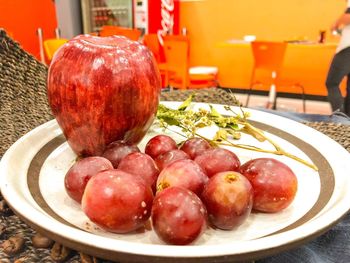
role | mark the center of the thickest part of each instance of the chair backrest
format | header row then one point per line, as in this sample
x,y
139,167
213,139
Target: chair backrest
x,y
181,38
176,51
152,42
131,33
109,31
268,55
51,46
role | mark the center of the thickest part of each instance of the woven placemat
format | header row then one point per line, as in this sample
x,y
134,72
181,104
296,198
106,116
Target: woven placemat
x,y
336,131
23,106
23,103
212,95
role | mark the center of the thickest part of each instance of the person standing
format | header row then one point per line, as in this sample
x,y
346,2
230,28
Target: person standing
x,y
340,66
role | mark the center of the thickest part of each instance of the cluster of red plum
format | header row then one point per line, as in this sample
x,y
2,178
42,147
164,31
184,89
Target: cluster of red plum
x,y
183,189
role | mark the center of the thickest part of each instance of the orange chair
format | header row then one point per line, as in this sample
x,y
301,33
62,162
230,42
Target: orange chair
x,y
181,38
51,46
152,42
131,33
268,58
180,74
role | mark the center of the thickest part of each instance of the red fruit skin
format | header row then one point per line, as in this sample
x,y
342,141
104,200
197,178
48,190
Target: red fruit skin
x,y
178,216
217,160
274,183
169,157
80,173
141,165
117,201
160,144
183,173
117,150
103,89
228,197
194,146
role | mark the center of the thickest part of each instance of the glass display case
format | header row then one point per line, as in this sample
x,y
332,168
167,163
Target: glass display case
x,y
97,13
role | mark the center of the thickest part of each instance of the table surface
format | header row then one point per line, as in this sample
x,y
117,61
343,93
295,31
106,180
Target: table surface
x,y
29,97
333,246
235,62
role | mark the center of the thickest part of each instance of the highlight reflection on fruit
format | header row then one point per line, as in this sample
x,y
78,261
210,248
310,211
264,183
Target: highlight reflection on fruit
x,y
275,184
117,201
103,89
80,173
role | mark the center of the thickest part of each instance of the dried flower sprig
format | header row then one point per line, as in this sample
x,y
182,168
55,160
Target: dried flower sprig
x,y
229,127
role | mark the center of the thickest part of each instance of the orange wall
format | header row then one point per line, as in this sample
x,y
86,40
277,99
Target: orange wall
x,y
210,23
21,19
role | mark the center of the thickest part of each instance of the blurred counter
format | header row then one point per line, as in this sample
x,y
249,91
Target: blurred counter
x,y
304,63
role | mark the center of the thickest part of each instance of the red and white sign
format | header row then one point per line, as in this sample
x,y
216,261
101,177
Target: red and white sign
x,y
159,17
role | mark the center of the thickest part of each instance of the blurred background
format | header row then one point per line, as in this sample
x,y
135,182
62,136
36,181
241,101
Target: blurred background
x,y
219,34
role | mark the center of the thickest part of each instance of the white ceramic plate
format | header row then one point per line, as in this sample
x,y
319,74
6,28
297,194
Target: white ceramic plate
x,y
33,169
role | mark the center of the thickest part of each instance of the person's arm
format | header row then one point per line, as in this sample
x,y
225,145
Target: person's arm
x,y
343,20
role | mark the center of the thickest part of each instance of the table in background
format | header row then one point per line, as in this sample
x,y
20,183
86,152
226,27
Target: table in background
x,y
304,63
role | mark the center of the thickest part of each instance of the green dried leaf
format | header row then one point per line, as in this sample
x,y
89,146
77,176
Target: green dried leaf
x,y
201,125
229,127
186,103
220,135
214,112
213,143
246,114
233,126
256,134
162,108
228,108
235,135
170,121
